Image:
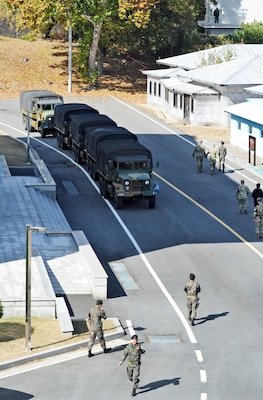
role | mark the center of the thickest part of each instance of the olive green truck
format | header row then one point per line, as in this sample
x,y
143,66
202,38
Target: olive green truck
x,y
37,108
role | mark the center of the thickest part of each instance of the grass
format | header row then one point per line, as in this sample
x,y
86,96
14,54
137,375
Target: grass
x,y
45,335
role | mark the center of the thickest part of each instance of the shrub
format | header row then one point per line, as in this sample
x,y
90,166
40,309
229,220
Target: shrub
x,y
1,309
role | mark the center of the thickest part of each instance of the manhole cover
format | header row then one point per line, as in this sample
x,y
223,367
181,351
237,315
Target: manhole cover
x,y
164,339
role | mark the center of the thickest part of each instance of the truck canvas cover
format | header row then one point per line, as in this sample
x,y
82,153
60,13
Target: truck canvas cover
x,y
127,150
78,123
63,113
95,135
28,96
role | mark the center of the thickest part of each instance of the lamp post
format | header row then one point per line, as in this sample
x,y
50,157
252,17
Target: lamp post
x,y
29,230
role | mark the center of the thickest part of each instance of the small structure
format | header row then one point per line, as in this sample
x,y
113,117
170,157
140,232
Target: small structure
x,y
246,130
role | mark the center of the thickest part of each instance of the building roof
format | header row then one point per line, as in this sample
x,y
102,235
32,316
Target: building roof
x,y
250,110
193,60
176,85
255,89
163,73
245,71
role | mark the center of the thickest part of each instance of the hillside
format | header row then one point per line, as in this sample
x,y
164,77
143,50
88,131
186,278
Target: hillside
x,y
43,64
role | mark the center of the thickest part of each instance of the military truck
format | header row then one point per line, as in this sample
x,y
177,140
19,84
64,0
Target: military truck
x,y
37,108
77,131
125,172
62,117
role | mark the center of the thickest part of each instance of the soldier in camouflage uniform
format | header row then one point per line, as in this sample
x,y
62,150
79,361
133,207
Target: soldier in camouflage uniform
x,y
212,159
192,288
95,325
199,154
133,352
242,193
258,219
222,156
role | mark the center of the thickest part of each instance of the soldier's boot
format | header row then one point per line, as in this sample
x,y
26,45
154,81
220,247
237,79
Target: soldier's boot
x,y
133,392
107,350
192,322
90,354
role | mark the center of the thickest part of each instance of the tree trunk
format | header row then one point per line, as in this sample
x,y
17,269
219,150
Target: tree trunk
x,y
94,49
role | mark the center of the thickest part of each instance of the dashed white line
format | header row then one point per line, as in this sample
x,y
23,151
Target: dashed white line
x,y
203,396
203,377
199,356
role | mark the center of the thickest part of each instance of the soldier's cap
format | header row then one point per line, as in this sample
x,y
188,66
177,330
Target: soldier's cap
x,y
99,302
134,337
259,199
192,277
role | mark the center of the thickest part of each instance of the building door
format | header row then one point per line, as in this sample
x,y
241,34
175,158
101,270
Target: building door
x,y
186,106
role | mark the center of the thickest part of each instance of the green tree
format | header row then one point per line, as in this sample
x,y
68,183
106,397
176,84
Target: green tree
x,y
249,33
1,309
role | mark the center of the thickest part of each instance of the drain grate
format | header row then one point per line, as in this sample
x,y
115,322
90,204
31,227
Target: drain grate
x,y
123,276
70,187
164,339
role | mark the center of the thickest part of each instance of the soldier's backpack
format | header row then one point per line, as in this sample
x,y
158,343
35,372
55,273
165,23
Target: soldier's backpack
x,y
260,210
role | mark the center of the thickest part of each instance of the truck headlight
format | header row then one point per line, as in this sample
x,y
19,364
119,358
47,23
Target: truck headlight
x,y
147,183
126,183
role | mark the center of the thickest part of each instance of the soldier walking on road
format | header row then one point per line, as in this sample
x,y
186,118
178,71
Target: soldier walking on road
x,y
257,192
96,314
192,288
242,193
212,159
199,154
258,219
133,352
222,155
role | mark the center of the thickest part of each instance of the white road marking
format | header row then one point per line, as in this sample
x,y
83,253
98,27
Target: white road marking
x,y
199,356
203,377
203,396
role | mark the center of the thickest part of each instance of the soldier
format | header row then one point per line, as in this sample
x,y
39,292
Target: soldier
x,y
212,159
95,316
222,155
133,352
199,154
242,193
192,288
258,219
257,192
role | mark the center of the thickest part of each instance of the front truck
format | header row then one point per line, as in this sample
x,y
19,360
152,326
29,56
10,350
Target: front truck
x,y
62,116
125,172
37,108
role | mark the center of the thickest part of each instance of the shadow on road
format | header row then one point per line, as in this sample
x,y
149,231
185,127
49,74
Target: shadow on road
x,y
158,384
210,317
9,394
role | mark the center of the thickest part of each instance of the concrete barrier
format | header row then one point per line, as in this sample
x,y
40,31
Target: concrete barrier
x,y
96,272
63,316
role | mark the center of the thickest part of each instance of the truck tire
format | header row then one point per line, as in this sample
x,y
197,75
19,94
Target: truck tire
x,y
118,202
42,132
152,202
103,191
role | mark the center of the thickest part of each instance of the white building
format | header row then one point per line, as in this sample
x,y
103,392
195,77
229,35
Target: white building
x,y
199,95
232,13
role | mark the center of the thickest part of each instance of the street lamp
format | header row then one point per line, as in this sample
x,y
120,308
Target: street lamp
x,y
29,230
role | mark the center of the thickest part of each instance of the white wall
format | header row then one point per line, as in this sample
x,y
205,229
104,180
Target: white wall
x,y
235,11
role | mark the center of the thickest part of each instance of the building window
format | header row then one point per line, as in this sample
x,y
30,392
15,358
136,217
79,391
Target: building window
x,y
150,87
192,105
261,134
181,101
238,125
175,100
166,95
154,88
159,90
250,129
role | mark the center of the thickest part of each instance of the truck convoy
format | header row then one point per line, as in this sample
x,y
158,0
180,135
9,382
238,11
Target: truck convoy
x,y
37,108
113,154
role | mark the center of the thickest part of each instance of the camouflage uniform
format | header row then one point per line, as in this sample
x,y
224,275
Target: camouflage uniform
x,y
242,193
192,289
258,219
222,155
212,159
95,316
199,154
133,352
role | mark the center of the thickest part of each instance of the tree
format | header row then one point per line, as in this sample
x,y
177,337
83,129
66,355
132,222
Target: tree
x,y
249,33
1,309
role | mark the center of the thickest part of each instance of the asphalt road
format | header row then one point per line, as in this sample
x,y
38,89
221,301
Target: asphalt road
x,y
195,227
